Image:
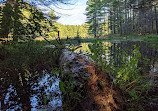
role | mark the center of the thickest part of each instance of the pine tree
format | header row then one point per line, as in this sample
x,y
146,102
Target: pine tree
x,y
94,16
123,16
23,21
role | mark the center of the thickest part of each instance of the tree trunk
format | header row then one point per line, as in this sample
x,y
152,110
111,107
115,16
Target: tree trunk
x,y
111,23
98,93
95,24
120,19
114,20
156,20
125,29
152,21
133,21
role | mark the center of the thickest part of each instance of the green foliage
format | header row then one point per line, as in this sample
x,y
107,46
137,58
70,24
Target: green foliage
x,y
72,31
6,20
122,17
20,20
129,70
98,54
127,74
71,92
62,86
95,15
152,40
31,55
45,99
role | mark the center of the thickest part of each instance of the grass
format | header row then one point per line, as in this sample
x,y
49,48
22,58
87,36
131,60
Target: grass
x,y
32,56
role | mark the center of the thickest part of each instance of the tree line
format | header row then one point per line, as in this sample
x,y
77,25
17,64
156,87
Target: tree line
x,y
122,16
21,20
72,31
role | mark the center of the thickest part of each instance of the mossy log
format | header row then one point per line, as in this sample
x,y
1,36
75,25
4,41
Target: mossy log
x,y
98,93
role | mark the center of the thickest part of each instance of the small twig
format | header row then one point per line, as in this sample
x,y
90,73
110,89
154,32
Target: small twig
x,y
131,83
66,40
59,39
77,48
129,88
49,41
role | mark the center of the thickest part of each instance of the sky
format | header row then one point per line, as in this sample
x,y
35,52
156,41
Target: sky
x,y
71,14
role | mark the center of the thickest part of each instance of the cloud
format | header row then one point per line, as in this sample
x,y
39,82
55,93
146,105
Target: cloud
x,y
69,14
74,16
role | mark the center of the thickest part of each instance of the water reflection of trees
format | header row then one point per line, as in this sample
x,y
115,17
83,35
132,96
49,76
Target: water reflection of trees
x,y
24,91
21,67
124,49
15,86
16,89
121,49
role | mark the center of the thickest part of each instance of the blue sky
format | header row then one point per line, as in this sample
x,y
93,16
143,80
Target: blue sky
x,y
71,14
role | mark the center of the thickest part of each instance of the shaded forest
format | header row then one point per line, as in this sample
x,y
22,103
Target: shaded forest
x,y
122,16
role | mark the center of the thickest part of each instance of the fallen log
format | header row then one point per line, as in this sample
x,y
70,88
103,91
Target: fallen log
x,y
98,92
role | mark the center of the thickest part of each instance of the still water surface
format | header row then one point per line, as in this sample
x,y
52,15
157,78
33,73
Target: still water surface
x,y
42,91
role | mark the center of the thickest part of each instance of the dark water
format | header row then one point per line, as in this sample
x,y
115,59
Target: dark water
x,y
41,91
147,52
115,49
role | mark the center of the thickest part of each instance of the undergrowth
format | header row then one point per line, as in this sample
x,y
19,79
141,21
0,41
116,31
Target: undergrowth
x,y
31,55
127,74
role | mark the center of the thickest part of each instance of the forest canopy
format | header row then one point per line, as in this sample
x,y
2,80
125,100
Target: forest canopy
x,y
23,20
122,16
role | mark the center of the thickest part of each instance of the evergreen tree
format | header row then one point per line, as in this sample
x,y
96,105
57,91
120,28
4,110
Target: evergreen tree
x,y
23,21
6,20
122,16
94,16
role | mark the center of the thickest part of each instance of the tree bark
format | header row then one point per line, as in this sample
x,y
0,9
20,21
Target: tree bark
x,y
133,21
156,19
120,19
125,29
111,23
98,92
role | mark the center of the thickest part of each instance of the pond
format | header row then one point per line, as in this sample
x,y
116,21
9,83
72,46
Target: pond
x,y
115,49
42,92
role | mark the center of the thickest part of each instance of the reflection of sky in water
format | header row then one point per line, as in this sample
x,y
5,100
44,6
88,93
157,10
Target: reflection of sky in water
x,y
86,49
11,92
51,91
